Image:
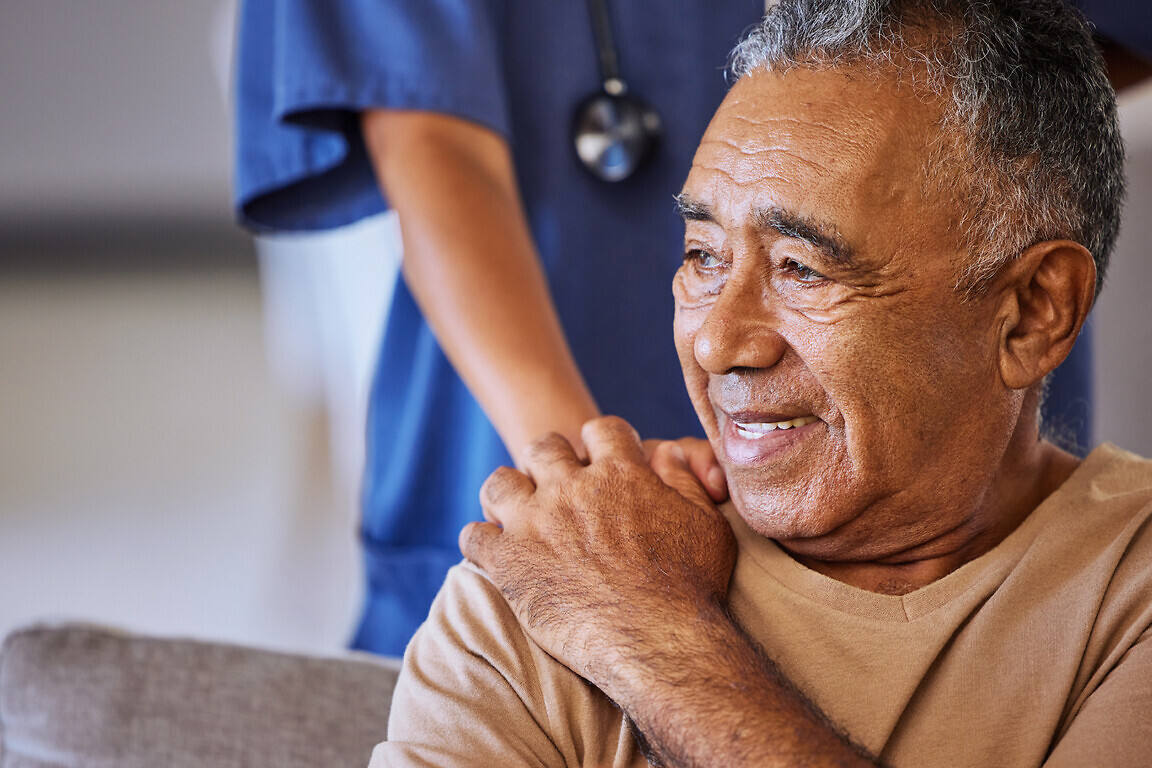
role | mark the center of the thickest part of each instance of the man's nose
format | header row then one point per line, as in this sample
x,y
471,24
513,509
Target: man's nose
x,y
741,329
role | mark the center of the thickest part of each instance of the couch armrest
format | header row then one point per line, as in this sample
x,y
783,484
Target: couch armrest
x,y
79,695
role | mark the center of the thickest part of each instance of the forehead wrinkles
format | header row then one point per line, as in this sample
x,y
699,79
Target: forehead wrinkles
x,y
825,144
750,148
746,163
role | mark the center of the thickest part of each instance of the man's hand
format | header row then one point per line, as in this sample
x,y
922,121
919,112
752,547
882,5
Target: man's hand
x,y
600,559
620,570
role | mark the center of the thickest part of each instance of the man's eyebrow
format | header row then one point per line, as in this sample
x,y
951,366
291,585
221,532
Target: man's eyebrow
x,y
820,236
787,223
691,210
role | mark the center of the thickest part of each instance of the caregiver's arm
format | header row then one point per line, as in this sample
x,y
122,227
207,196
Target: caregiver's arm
x,y
470,263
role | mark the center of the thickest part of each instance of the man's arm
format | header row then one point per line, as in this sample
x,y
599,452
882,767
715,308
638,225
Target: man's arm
x,y
1112,728
471,693
471,265
635,602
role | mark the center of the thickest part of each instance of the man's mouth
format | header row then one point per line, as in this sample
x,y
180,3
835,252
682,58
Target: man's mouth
x,y
754,430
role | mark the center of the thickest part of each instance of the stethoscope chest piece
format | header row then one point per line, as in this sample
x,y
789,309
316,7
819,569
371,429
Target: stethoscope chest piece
x,y
614,133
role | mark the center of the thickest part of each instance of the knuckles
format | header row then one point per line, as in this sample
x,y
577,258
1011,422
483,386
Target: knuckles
x,y
609,430
475,544
502,486
548,448
611,425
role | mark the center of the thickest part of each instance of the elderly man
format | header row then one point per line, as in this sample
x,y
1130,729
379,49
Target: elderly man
x,y
896,224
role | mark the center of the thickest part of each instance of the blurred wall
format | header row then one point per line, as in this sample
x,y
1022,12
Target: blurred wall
x,y
1123,316
113,108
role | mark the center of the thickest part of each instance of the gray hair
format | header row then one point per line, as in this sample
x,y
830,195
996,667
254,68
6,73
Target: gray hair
x,y
1029,114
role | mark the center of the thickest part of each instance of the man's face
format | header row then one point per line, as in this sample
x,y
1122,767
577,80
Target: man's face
x,y
850,393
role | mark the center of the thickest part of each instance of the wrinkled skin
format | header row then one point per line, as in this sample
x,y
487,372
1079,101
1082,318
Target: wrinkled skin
x,y
819,284
609,520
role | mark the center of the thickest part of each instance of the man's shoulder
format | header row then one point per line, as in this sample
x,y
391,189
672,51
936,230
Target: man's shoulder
x,y
1097,542
476,690
1117,469
1099,522
1112,487
475,611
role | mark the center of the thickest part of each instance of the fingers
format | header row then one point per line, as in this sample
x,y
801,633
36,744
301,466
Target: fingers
x,y
612,436
550,457
702,461
478,542
503,492
670,463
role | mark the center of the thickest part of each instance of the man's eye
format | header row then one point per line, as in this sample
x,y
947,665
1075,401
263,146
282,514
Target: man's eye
x,y
803,273
701,259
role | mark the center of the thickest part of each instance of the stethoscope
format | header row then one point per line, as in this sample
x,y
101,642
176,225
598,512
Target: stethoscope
x,y
614,131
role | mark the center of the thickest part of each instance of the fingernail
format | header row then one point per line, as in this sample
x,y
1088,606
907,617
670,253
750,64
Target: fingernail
x,y
678,453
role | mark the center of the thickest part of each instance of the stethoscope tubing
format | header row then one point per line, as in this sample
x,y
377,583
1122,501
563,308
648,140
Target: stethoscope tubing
x,y
614,131
605,44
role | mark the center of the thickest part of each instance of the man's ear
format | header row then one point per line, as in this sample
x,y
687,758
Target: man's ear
x,y
1048,292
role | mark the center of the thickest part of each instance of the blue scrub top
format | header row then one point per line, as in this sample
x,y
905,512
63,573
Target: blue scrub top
x,y
307,68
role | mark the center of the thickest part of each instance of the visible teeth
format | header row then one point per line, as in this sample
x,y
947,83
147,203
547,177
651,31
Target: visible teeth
x,y
757,430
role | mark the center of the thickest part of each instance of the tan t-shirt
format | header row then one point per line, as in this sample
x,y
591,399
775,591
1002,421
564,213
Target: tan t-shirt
x,y
1037,653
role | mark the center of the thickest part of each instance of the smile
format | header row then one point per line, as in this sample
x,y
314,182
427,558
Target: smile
x,y
757,430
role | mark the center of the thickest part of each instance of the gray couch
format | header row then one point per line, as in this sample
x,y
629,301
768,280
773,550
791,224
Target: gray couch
x,y
79,695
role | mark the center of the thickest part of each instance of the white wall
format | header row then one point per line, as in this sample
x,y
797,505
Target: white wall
x,y
154,473
154,476
1123,317
113,107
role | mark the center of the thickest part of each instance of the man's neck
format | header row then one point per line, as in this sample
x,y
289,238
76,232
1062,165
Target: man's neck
x,y
1009,503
